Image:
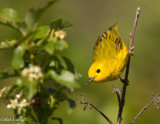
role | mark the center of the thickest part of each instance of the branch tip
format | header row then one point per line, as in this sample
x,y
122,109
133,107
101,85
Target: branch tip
x,y
138,9
155,100
117,90
126,81
88,104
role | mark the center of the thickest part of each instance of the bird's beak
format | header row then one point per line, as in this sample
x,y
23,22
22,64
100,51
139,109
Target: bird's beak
x,y
90,79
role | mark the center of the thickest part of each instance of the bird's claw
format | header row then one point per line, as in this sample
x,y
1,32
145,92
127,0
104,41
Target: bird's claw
x,y
131,53
124,81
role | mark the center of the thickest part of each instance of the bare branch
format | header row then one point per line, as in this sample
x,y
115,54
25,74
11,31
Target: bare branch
x,y
121,104
155,99
132,34
125,81
88,104
117,90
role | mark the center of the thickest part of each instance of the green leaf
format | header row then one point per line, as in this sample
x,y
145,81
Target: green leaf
x,y
44,114
61,61
58,119
61,45
60,96
11,91
33,15
9,15
58,62
72,103
28,38
50,46
23,28
65,78
14,89
18,61
38,36
8,44
42,32
60,24
31,115
8,73
30,88
44,97
51,90
11,18
65,63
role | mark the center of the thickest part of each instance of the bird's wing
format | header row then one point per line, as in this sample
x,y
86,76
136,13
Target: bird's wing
x,y
109,45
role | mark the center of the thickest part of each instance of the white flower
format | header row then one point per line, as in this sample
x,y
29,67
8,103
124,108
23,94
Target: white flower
x,y
60,34
18,96
33,72
32,76
31,69
23,103
14,104
25,71
37,69
9,106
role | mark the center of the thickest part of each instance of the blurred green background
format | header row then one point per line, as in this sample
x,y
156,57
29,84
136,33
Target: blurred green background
x,y
91,19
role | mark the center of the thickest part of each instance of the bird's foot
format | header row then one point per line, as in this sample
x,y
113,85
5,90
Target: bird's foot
x,y
124,81
131,53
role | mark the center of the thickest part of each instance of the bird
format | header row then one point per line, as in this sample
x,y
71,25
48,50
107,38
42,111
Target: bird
x,y
110,57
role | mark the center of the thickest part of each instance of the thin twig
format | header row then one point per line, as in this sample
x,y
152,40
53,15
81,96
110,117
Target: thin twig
x,y
132,34
88,104
119,99
145,108
125,81
117,90
12,24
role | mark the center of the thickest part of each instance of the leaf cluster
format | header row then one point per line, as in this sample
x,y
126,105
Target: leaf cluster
x,y
35,53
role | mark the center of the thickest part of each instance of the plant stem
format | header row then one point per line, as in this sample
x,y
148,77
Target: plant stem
x,y
88,104
125,81
145,108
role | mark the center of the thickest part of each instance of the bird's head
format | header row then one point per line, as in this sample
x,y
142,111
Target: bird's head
x,y
98,72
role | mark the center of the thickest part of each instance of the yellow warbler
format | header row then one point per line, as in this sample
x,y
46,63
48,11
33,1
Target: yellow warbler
x,y
110,56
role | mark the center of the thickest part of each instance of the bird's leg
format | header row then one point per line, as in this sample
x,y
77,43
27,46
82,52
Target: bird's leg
x,y
124,81
131,53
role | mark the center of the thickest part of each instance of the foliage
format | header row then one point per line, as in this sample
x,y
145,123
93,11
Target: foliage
x,y
42,74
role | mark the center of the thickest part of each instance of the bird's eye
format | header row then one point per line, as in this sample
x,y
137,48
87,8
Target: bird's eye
x,y
98,70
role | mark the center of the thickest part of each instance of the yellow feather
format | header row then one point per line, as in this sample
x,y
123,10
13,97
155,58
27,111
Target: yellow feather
x,y
109,56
